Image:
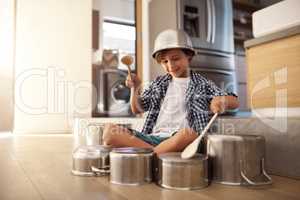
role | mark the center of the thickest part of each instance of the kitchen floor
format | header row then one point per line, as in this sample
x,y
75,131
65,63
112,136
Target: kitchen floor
x,y
38,167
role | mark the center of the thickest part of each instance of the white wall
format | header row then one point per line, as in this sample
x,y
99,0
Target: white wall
x,y
7,9
53,64
162,15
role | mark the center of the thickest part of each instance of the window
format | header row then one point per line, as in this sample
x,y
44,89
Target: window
x,y
120,36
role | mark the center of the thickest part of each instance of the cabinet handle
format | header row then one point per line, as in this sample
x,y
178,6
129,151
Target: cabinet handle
x,y
209,20
213,9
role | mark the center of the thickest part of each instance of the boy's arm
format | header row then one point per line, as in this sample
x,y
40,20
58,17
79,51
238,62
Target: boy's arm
x,y
134,83
221,100
135,102
220,104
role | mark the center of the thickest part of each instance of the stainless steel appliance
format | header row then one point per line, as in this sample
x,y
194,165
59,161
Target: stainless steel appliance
x,y
113,96
182,174
237,159
131,166
209,24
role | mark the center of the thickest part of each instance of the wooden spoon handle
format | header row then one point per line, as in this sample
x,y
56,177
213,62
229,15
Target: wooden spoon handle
x,y
129,72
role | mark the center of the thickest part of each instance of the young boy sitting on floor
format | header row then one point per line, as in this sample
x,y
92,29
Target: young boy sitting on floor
x,y
178,103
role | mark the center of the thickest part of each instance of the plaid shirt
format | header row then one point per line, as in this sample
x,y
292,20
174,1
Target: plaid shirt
x,y
199,93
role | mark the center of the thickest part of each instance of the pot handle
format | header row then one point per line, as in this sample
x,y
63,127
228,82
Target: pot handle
x,y
99,172
250,182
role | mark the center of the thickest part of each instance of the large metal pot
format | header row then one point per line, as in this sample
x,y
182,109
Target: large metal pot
x,y
131,166
182,174
237,159
91,160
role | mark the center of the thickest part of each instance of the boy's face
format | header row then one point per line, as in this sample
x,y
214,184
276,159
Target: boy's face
x,y
175,62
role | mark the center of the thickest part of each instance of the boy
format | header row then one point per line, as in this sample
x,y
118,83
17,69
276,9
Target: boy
x,y
178,102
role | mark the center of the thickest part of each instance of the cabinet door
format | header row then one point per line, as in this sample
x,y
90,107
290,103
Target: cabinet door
x,y
95,29
273,74
53,64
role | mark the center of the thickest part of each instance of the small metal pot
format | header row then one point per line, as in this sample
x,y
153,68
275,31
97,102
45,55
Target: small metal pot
x,y
91,160
182,174
237,159
131,166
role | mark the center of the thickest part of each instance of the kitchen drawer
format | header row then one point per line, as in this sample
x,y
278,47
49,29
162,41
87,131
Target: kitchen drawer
x,y
273,73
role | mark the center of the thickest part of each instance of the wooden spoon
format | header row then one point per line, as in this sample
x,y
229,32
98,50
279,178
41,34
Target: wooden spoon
x,y
191,149
127,60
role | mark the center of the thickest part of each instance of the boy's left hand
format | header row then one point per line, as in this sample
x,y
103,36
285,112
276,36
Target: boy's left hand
x,y
218,104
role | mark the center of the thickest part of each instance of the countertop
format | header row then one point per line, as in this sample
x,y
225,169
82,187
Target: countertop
x,y
38,167
274,36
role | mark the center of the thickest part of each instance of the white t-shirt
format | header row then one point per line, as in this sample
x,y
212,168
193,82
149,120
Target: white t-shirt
x,y
172,114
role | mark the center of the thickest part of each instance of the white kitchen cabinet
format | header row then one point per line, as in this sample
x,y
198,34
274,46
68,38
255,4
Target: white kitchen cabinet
x,y
52,64
273,71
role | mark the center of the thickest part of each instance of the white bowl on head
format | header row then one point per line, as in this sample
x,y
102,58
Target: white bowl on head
x,y
278,17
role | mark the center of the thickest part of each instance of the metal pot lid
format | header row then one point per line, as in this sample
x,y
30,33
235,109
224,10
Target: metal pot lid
x,y
132,150
175,157
91,151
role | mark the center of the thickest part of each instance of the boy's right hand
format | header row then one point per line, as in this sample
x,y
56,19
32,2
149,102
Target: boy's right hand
x,y
134,82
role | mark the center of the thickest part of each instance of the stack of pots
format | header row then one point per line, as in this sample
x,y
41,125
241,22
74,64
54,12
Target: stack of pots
x,y
229,159
91,160
126,166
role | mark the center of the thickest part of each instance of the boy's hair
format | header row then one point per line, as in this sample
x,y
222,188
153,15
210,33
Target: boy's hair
x,y
185,51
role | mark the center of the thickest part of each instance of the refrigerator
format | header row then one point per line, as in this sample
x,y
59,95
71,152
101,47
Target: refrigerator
x,y
209,23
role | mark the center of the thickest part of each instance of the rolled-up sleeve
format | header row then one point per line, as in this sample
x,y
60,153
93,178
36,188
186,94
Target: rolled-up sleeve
x,y
145,97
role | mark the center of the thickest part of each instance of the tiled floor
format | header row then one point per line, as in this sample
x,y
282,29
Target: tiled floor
x,y
38,167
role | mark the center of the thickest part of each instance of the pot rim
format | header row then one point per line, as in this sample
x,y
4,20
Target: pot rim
x,y
91,152
131,150
175,157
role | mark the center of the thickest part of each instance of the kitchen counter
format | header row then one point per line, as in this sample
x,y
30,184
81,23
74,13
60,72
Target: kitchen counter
x,y
274,36
38,167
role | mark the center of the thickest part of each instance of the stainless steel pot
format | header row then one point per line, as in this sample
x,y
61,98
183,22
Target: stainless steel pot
x,y
131,166
237,159
182,174
91,160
